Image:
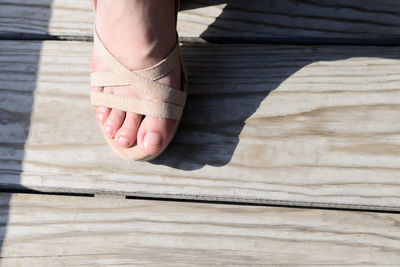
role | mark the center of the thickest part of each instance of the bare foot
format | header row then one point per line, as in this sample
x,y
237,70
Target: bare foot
x,y
139,33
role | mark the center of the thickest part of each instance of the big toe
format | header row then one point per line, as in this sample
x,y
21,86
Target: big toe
x,y
154,134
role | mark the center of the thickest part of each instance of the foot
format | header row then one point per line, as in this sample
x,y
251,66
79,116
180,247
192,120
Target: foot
x,y
139,33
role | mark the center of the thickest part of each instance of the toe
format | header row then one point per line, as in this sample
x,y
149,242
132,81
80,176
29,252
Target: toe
x,y
101,112
113,122
154,134
126,135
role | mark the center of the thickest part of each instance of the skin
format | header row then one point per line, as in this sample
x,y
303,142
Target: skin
x,y
139,33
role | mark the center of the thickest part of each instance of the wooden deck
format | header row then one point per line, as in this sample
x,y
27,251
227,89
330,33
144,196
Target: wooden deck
x,y
289,147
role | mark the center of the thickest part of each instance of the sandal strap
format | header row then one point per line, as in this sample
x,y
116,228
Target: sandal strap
x,y
106,79
157,90
154,72
163,67
136,105
141,79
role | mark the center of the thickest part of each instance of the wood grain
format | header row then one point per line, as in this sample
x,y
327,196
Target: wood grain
x,y
258,19
292,125
43,230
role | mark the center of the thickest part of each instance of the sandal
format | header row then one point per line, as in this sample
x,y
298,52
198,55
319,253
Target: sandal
x,y
174,100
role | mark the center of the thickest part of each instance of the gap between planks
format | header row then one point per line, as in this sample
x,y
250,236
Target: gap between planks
x,y
303,41
222,201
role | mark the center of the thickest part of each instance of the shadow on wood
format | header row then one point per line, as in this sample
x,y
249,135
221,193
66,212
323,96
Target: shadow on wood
x,y
216,113
294,21
16,102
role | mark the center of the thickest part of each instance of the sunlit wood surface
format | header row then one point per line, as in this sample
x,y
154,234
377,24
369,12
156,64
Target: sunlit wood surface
x,y
291,103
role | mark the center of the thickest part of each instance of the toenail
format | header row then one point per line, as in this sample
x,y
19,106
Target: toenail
x,y
108,130
100,116
123,141
152,140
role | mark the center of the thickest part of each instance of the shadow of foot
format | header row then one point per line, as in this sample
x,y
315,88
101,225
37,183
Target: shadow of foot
x,y
229,82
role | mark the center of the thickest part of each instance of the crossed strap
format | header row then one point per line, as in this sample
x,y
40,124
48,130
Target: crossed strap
x,y
145,80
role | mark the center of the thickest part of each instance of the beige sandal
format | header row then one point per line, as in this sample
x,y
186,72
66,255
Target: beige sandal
x,y
174,100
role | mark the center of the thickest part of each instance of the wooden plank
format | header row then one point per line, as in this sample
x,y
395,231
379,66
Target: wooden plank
x,y
43,230
275,19
292,125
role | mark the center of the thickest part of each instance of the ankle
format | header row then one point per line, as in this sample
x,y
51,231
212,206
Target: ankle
x,y
145,28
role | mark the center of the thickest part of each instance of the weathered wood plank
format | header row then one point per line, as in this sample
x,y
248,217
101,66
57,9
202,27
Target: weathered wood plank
x,y
223,18
313,126
43,230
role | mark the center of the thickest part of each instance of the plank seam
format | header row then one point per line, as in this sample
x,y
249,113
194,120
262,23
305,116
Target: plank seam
x,y
216,200
295,40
